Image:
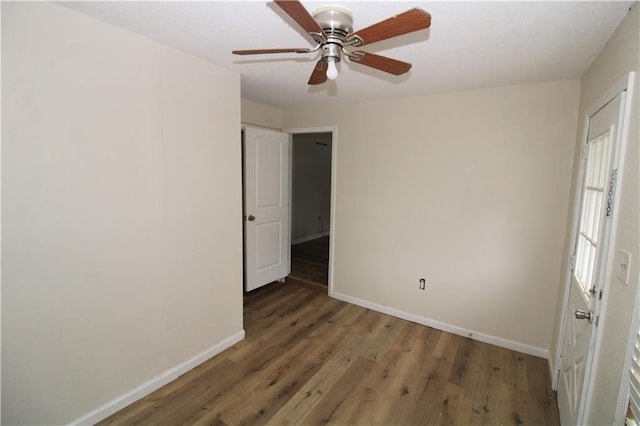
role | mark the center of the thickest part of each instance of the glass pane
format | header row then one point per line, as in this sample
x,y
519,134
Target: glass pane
x,y
597,162
591,214
591,161
593,197
604,147
597,216
592,267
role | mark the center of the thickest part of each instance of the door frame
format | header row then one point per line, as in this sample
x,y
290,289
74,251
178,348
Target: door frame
x,y
623,394
334,178
619,145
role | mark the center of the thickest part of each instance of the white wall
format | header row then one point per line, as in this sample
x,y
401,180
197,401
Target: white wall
x,y
618,58
121,186
261,115
311,163
467,189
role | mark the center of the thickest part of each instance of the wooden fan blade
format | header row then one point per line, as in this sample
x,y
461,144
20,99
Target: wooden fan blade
x,y
382,63
407,22
298,13
319,74
262,51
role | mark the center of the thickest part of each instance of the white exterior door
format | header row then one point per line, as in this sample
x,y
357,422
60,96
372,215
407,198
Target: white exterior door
x,y
589,262
266,207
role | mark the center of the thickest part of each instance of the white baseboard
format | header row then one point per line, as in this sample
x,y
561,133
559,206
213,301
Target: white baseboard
x,y
157,382
481,337
310,237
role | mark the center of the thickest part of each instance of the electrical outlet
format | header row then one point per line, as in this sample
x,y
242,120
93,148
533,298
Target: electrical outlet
x,y
423,284
623,266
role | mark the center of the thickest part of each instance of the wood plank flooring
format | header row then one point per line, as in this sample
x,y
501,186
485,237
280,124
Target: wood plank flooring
x,y
310,261
308,359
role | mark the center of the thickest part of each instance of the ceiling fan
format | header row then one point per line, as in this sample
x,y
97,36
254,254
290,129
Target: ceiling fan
x,y
332,29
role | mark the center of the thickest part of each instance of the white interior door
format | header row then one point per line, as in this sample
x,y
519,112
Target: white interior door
x,y
266,207
589,262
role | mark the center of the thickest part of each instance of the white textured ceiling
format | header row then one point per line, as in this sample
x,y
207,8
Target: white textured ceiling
x,y
469,45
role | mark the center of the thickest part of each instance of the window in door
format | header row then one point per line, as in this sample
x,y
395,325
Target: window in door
x,y
594,195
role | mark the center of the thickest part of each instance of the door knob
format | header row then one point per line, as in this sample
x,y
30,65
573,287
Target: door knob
x,y
251,218
579,314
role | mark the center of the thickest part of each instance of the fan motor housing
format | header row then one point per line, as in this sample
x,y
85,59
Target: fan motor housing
x,y
336,21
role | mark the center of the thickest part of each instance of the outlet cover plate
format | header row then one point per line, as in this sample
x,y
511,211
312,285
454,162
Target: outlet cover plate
x,y
623,266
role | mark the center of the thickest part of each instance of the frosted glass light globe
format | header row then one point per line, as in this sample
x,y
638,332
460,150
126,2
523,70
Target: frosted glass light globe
x,y
332,71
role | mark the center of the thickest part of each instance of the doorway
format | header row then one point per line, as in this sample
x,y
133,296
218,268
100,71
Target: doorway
x,y
312,165
594,220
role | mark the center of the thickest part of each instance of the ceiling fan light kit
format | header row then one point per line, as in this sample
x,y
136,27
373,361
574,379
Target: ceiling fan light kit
x,y
331,28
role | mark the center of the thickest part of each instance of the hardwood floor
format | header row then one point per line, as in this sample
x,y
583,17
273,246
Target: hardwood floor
x,y
309,359
310,261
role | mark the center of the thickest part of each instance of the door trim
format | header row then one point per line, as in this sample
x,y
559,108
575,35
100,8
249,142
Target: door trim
x,y
334,178
622,86
623,394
